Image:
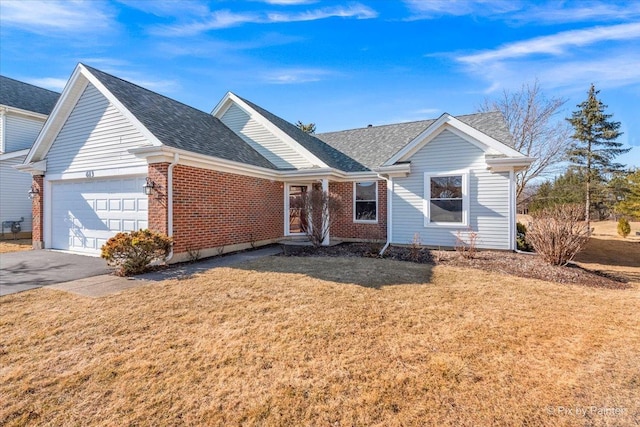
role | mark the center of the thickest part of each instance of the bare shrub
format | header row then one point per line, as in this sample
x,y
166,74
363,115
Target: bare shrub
x,y
322,209
557,233
467,246
374,239
415,247
193,254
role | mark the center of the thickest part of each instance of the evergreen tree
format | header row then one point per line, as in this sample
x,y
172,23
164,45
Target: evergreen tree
x,y
629,203
594,148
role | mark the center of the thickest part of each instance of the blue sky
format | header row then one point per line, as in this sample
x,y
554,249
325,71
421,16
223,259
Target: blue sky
x,y
340,64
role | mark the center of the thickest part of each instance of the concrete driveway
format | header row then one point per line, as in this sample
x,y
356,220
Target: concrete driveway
x,y
21,271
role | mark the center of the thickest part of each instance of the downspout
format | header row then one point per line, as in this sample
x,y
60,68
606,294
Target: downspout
x,y
176,157
389,215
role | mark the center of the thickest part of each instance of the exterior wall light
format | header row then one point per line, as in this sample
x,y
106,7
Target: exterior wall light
x,y
148,187
33,192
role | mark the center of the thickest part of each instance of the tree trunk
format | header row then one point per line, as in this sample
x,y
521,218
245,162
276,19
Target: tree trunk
x,y
587,213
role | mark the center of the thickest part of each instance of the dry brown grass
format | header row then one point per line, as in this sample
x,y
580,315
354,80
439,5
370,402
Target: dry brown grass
x,y
610,253
324,341
15,245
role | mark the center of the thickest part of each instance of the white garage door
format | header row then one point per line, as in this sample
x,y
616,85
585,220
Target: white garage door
x,y
85,214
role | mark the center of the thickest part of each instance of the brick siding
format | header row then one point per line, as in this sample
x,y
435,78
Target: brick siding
x,y
345,227
212,209
37,210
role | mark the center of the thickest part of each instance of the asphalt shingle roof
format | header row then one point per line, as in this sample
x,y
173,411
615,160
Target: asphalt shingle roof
x,y
329,154
372,146
17,94
181,126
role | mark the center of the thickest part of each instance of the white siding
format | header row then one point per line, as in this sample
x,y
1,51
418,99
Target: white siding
x,y
488,195
2,119
14,185
262,140
95,136
20,132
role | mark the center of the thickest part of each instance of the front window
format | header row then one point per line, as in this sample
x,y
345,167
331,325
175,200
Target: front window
x,y
365,202
446,202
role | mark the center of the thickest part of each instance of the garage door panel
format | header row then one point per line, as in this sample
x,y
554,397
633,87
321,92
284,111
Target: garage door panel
x,y
85,214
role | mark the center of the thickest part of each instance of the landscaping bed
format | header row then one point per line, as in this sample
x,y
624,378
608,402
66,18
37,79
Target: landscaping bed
x,y
517,264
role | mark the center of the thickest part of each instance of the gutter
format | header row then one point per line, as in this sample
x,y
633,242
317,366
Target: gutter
x,y
389,212
176,158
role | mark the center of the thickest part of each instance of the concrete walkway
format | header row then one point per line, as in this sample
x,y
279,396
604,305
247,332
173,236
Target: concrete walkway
x,y
99,286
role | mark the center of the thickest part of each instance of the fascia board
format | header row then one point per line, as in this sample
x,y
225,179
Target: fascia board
x,y
13,154
120,107
417,142
19,111
58,117
221,106
448,122
165,154
293,144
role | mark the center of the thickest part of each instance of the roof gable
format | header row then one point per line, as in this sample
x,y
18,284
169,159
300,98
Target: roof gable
x,y
458,127
374,146
314,149
162,120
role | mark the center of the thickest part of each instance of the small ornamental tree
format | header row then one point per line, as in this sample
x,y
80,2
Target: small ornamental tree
x,y
132,252
557,233
624,228
321,209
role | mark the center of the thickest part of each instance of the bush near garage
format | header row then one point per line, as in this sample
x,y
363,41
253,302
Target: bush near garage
x,y
133,252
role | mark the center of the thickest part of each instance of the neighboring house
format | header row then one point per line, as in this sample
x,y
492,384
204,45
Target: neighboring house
x,y
229,180
23,110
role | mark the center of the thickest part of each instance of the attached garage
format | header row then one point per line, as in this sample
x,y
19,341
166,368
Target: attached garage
x,y
86,213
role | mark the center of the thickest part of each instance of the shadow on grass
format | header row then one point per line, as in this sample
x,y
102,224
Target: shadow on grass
x,y
611,252
368,272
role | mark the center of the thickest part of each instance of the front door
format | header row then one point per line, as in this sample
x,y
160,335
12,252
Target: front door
x,y
297,215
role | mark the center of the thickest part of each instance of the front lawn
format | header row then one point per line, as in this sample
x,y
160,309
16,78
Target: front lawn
x,y
328,342
15,245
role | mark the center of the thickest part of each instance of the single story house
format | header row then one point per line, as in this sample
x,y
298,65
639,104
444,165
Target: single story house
x,y
23,111
229,179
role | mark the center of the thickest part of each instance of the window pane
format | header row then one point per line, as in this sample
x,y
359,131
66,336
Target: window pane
x,y
366,211
365,191
446,211
446,187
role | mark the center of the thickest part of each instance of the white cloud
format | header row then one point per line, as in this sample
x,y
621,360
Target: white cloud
x,y
555,12
431,9
296,75
518,12
357,11
56,17
289,2
555,44
167,8
226,18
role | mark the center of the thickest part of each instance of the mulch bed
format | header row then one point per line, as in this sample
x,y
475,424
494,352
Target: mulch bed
x,y
517,264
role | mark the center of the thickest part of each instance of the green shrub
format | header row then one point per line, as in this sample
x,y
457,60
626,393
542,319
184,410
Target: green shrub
x,y
521,238
132,252
624,228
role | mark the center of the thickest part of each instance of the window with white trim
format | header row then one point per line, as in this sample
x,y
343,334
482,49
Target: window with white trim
x,y
365,201
446,199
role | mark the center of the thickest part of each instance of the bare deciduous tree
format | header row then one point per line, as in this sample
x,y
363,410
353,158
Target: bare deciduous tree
x,y
530,116
322,209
